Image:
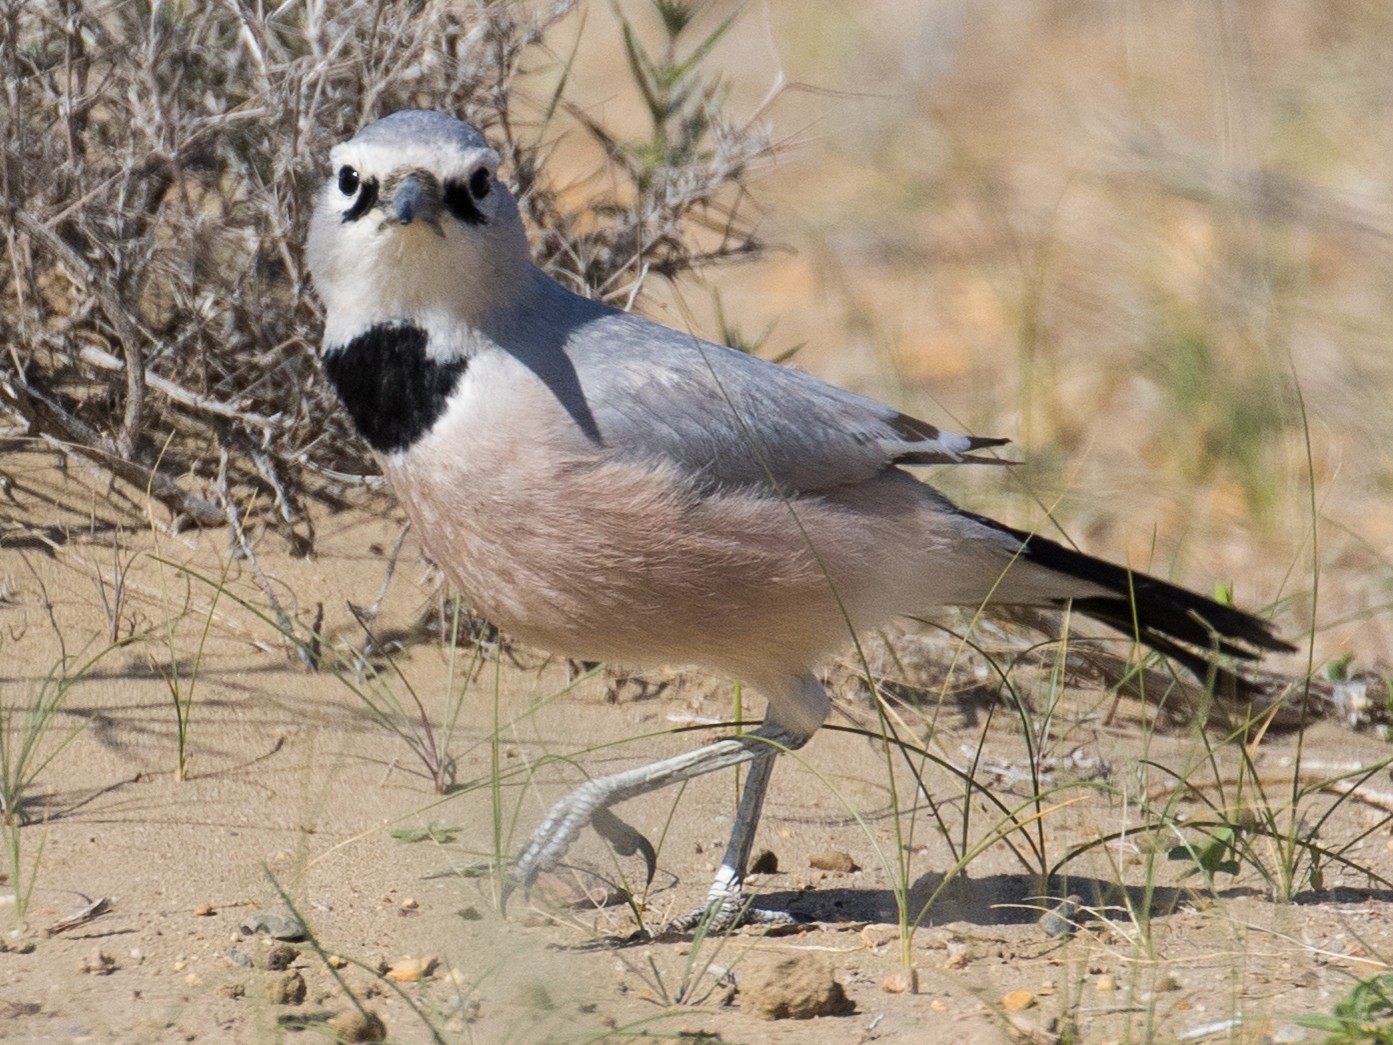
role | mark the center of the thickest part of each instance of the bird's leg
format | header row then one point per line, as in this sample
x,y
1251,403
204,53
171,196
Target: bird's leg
x,y
555,834
726,905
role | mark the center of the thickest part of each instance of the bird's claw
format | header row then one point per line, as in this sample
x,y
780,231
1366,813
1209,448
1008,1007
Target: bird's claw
x,y
625,840
545,849
730,909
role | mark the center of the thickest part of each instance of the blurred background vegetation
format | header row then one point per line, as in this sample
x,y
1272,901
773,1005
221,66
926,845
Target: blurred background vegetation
x,y
1149,242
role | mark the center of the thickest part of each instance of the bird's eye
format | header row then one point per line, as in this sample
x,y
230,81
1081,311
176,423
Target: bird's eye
x,y
479,183
348,181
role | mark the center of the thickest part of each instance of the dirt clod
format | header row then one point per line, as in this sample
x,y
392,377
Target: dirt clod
x,y
353,1025
794,988
286,988
281,957
765,862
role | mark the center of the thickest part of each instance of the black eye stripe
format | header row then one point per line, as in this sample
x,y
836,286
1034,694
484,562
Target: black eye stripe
x,y
461,201
367,199
460,196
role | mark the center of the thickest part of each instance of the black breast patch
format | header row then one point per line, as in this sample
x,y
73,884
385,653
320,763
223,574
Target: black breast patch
x,y
392,389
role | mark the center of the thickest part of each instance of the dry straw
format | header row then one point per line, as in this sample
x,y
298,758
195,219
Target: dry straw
x,y
158,170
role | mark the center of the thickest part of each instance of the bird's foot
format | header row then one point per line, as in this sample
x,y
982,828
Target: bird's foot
x,y
721,916
555,834
726,908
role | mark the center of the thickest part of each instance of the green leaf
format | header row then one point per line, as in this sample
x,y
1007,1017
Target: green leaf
x,y
1338,669
1215,855
704,48
644,73
432,832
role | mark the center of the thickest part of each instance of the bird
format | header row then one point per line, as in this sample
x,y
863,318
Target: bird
x,y
612,489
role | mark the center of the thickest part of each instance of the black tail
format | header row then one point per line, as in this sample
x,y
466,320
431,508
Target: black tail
x,y
1187,627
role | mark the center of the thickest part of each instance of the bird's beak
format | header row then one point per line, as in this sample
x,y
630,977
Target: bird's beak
x,y
407,200
416,201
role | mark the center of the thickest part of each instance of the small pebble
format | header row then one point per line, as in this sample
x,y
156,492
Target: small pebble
x,y
277,926
409,970
244,960
902,981
833,860
1017,1001
1061,920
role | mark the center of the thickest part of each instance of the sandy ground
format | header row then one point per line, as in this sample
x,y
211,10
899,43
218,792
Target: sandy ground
x,y
296,794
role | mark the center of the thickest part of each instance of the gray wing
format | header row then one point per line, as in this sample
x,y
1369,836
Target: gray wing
x,y
732,418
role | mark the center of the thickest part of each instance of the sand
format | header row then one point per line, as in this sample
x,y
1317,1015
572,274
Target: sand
x,y
298,798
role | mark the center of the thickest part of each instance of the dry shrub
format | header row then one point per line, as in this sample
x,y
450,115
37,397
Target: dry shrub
x,y
159,167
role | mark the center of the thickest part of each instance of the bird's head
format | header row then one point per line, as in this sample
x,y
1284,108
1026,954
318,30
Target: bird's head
x,y
413,226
